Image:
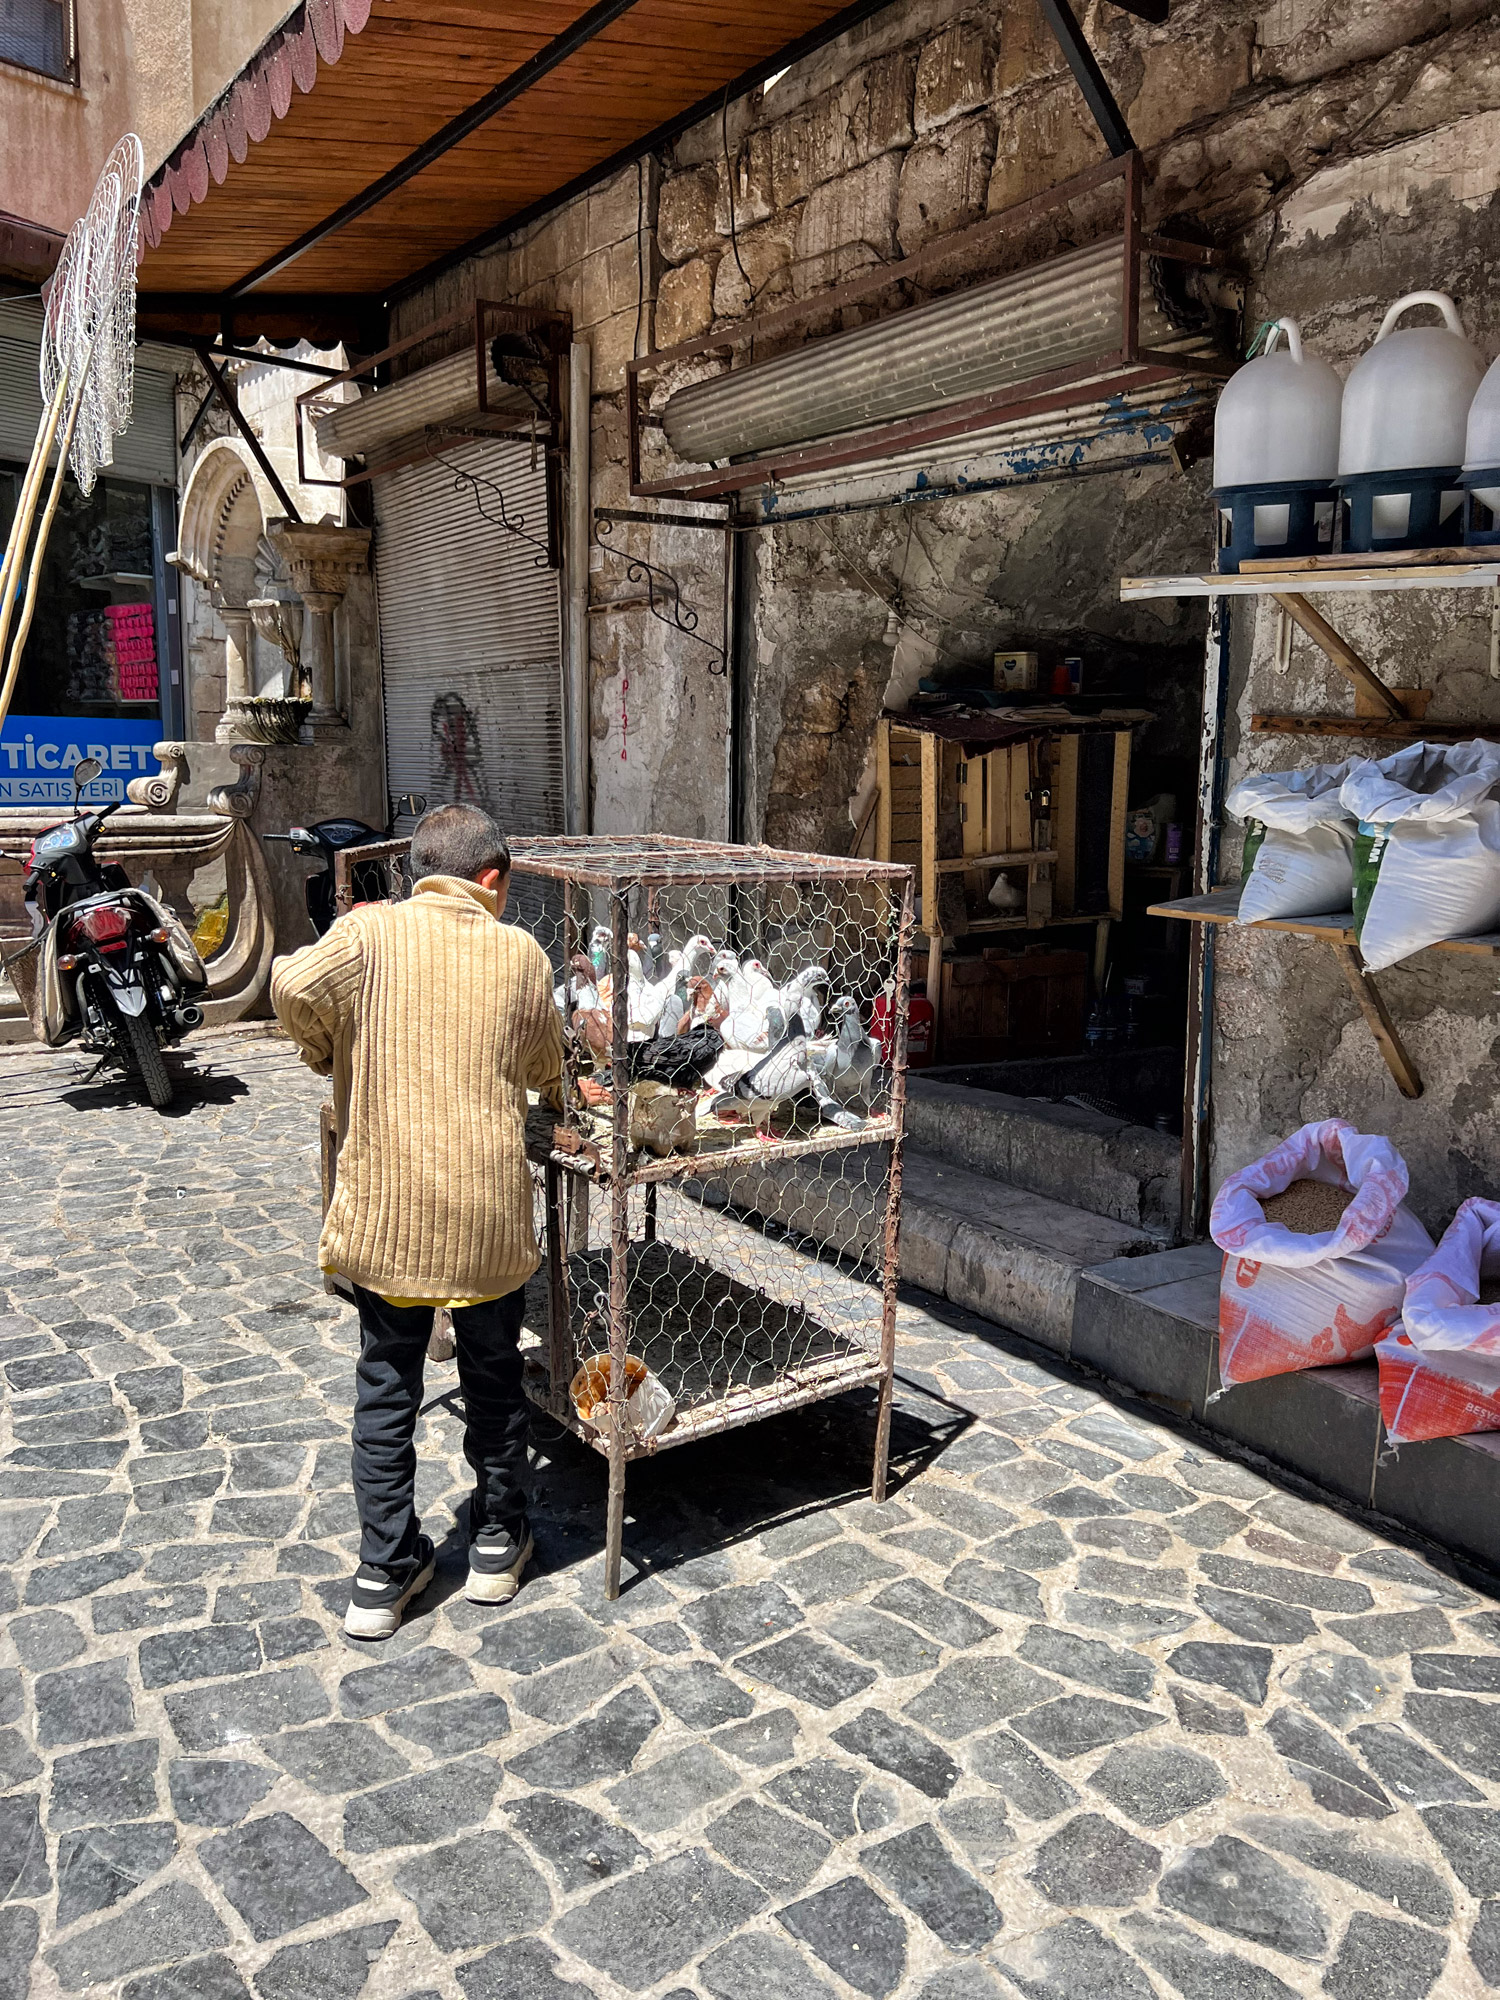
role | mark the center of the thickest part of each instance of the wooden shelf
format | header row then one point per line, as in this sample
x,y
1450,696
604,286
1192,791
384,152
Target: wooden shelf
x,y
1336,930
1438,569
1374,728
1222,906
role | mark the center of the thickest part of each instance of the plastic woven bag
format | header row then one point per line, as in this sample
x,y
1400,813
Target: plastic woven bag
x,y
1440,1368
1427,847
1299,846
1288,1301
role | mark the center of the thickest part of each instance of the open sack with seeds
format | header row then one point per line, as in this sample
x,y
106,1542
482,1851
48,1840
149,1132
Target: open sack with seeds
x,y
1440,1366
1299,842
1318,1246
1427,849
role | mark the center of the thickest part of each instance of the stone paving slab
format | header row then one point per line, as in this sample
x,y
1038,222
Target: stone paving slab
x,y
1083,1709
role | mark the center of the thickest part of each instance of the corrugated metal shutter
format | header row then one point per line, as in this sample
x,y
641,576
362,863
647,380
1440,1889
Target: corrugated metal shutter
x,y
470,638
147,451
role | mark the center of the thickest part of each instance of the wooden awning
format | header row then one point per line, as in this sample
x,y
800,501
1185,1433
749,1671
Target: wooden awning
x,y
369,144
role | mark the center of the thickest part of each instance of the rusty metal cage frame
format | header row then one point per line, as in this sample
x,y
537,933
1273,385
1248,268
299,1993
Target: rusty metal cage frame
x,y
573,1166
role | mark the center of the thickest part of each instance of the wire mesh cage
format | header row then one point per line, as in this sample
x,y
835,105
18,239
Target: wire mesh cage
x,y
720,1199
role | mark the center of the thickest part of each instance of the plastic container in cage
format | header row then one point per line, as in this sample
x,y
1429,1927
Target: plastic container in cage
x,y
722,1198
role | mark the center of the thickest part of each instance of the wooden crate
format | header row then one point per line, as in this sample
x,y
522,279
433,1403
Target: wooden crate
x,y
1007,1003
1048,799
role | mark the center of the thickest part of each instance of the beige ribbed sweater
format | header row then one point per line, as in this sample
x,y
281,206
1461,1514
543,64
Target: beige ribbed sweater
x,y
434,1020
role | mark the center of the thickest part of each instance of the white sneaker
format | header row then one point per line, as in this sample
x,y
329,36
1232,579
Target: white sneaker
x,y
378,1599
496,1561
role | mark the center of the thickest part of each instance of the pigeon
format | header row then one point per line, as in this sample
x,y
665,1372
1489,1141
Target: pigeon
x,y
799,996
578,989
844,1071
647,1000
697,955
679,1060
781,1074
749,994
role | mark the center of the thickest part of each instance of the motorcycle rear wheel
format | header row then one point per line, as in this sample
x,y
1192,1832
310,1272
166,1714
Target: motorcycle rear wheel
x,y
146,1059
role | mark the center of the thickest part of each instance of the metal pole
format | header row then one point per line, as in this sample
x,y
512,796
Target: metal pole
x,y
576,574
619,1236
1198,1066
891,1271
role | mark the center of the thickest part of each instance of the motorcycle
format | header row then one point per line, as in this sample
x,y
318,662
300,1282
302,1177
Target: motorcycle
x,y
327,838
117,968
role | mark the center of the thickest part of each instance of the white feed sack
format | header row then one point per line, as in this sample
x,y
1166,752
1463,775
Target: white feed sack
x,y
1427,850
1303,860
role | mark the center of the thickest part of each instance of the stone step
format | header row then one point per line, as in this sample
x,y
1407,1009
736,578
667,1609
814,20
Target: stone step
x,y
1005,1252
1085,1159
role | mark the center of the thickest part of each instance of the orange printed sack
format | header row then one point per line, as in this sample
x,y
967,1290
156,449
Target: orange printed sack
x,y
1288,1301
1440,1368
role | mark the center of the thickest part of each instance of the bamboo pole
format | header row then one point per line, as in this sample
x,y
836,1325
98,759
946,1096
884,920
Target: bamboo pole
x,y
13,664
20,527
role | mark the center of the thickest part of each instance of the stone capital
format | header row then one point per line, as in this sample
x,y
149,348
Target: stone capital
x,y
321,557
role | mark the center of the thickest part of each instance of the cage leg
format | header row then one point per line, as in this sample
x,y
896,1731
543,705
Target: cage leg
x,y
880,1472
648,1233
559,1329
614,1532
578,1213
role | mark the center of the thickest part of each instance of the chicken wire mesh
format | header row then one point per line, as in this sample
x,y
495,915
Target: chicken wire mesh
x,y
722,1220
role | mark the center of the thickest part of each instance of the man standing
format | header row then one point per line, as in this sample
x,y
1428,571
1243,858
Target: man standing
x,y
434,1020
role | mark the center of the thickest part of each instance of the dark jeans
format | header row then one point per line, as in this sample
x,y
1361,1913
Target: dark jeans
x,y
388,1396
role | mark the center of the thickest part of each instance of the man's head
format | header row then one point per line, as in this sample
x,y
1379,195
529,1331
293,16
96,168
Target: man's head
x,y
460,840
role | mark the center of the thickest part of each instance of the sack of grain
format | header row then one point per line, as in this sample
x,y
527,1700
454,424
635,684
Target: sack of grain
x,y
1318,1245
1440,1367
1427,847
1299,842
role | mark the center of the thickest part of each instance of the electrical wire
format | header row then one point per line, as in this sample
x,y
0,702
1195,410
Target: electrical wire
x,y
640,261
734,241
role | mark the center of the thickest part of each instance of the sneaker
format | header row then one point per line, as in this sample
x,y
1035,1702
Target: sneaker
x,y
496,1560
379,1595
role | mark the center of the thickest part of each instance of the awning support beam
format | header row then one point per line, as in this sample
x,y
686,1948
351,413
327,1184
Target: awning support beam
x,y
228,398
1087,74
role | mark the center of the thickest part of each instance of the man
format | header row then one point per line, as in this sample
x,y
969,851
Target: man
x,y
434,1020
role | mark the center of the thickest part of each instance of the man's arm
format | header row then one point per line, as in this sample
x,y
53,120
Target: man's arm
x,y
544,1072
313,992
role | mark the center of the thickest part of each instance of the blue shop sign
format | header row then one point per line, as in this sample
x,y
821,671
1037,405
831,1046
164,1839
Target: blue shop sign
x,y
38,752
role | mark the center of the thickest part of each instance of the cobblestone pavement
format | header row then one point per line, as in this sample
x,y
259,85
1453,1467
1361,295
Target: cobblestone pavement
x,y
1085,1713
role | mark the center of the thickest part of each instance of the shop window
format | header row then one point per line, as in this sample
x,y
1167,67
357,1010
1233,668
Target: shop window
x,y
91,675
40,35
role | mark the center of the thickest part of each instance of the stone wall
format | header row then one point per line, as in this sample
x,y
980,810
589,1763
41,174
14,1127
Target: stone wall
x,y
1343,150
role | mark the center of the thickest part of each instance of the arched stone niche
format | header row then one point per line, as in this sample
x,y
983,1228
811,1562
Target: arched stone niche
x,y
220,545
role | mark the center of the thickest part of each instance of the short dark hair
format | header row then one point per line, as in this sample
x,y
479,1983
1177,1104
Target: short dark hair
x,y
457,840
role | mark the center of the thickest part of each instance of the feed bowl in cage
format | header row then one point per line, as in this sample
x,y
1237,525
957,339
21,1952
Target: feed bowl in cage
x,y
648,1407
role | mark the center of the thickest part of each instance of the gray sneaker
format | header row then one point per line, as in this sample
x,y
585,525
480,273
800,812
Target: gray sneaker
x,y
497,1557
379,1596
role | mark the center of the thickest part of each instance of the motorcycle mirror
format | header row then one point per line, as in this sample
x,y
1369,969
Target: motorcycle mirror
x,y
85,771
414,803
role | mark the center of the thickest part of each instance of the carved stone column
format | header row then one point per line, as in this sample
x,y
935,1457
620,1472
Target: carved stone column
x,y
238,630
322,559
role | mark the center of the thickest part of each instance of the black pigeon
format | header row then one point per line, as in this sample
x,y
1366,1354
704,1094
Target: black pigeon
x,y
682,1061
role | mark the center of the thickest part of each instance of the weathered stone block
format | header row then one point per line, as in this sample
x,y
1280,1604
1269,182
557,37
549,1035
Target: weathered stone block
x,y
868,114
685,222
1187,77
945,181
620,206
858,210
750,177
685,301
953,74
766,255
613,342
1045,135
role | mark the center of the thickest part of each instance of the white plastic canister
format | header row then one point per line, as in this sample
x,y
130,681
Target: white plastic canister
x,y
1482,445
1406,402
1278,417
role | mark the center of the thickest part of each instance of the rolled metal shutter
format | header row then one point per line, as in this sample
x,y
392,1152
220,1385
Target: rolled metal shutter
x,y
147,451
470,636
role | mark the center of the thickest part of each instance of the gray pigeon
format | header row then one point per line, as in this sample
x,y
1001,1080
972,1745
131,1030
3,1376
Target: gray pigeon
x,y
845,1073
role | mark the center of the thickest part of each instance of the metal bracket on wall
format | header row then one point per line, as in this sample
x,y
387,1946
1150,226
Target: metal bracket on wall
x,y
224,389
663,593
549,558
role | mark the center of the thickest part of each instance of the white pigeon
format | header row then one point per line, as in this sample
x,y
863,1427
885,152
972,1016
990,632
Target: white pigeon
x,y
648,999
800,996
780,1075
697,956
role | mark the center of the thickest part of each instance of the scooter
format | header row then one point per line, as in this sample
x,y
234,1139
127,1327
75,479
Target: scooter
x,y
329,837
122,971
